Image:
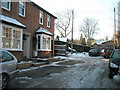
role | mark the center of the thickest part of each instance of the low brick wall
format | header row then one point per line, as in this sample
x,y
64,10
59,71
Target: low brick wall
x,y
24,65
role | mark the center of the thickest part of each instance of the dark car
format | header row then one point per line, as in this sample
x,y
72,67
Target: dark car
x,y
114,63
106,52
94,52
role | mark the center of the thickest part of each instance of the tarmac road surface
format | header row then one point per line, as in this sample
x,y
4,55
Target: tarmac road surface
x,y
73,72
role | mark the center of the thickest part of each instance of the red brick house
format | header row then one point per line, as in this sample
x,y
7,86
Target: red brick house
x,y
104,44
27,30
108,44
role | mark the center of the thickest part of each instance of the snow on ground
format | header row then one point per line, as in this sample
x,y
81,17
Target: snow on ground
x,y
26,77
25,62
68,57
84,54
74,55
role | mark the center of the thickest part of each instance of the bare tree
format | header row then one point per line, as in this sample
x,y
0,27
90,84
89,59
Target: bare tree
x,y
82,40
89,28
63,23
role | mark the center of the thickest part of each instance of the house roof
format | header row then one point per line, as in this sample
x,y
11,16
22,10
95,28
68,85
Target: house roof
x,y
63,39
11,21
108,42
42,30
42,9
56,37
98,42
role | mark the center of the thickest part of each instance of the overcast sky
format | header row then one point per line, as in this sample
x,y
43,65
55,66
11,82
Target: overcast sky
x,y
101,10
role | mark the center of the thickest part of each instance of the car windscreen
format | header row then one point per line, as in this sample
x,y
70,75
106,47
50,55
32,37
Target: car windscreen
x,y
109,50
116,54
93,50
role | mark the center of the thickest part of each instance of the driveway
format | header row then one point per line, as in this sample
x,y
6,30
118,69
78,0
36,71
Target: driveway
x,y
75,71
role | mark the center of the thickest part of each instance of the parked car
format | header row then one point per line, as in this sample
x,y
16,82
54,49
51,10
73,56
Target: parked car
x,y
106,52
114,63
94,52
8,65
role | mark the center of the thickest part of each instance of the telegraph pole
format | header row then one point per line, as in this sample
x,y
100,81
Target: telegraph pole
x,y
115,29
72,32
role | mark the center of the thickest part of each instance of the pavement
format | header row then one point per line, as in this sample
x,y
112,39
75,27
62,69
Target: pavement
x,y
37,62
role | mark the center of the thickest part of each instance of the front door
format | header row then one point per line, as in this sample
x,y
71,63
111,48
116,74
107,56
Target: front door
x,y
26,46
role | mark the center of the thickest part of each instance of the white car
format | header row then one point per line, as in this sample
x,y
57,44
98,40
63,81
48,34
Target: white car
x,y
8,68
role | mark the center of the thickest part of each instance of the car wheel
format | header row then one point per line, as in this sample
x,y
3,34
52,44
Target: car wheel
x,y
104,56
110,75
4,81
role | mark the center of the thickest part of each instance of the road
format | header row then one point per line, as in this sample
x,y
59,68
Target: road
x,y
73,72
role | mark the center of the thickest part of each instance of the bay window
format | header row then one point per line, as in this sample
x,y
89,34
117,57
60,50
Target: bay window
x,y
11,38
43,42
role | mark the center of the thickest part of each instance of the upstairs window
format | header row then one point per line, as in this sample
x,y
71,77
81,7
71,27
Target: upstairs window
x,y
22,8
6,4
41,17
48,21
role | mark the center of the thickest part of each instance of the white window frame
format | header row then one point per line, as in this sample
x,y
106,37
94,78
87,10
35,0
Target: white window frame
x,y
21,35
41,16
48,47
8,1
48,21
22,8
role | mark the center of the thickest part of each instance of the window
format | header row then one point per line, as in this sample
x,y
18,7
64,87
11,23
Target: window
x,y
11,38
41,17
44,42
6,4
6,57
116,54
22,8
48,21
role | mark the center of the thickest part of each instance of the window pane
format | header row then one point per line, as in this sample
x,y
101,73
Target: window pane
x,y
6,42
48,21
48,43
16,39
6,4
22,8
44,43
41,17
16,34
39,39
16,44
4,32
6,57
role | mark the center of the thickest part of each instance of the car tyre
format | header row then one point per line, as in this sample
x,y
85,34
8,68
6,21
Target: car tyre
x,y
105,57
5,81
110,75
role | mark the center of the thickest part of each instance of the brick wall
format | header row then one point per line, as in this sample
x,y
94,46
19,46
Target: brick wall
x,y
31,21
